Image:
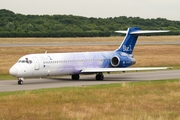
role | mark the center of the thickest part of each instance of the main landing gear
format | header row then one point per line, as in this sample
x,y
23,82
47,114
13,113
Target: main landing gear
x,y
20,81
99,76
75,77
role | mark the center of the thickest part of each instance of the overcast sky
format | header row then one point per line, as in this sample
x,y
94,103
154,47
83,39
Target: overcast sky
x,y
97,8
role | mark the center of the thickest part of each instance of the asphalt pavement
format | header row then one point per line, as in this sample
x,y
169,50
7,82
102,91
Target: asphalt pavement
x,y
85,80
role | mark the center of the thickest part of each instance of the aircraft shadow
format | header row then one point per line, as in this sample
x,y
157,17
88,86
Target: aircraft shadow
x,y
82,79
93,79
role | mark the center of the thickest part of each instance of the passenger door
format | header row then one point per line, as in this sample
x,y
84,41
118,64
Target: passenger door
x,y
36,63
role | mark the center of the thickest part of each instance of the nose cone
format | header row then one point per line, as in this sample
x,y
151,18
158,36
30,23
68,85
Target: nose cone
x,y
13,71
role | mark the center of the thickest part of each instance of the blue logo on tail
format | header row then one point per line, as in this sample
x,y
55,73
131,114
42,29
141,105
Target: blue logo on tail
x,y
129,41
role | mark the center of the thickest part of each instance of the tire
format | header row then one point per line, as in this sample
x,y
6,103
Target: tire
x,y
99,76
75,77
20,82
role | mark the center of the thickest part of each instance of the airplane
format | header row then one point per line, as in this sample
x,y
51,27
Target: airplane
x,y
76,63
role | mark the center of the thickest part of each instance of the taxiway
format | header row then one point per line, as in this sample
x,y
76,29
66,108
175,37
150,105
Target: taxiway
x,y
85,80
84,44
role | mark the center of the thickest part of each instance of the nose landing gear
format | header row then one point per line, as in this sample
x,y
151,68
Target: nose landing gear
x,y
20,81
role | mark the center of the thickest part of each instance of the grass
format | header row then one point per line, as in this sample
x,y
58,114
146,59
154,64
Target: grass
x,y
157,55
141,100
6,77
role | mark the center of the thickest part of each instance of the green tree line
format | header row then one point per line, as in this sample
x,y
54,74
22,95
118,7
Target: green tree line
x,y
19,25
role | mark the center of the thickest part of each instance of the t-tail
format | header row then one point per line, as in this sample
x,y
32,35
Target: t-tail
x,y
131,37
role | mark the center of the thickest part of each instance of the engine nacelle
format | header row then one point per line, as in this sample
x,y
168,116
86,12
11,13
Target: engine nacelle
x,y
115,61
122,61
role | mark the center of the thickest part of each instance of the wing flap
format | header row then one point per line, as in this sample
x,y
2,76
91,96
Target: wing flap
x,y
96,70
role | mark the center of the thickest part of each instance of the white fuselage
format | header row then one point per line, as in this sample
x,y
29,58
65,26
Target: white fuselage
x,y
52,64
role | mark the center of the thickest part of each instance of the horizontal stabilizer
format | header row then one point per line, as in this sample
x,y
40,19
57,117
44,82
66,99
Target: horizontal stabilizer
x,y
148,31
143,31
121,32
96,70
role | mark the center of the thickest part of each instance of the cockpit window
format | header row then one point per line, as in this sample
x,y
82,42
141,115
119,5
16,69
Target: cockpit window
x,y
25,61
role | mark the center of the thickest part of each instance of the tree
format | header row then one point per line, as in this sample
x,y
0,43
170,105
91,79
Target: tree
x,y
75,26
10,26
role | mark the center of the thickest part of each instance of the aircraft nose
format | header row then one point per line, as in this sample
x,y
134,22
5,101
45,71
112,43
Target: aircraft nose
x,y
13,71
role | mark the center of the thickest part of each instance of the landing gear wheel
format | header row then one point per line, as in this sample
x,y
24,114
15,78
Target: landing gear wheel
x,y
20,82
75,77
99,76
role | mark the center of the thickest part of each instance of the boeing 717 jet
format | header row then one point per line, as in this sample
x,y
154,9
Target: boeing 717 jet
x,y
76,63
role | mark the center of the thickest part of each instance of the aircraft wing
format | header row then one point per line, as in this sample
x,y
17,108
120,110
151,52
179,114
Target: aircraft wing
x,y
97,70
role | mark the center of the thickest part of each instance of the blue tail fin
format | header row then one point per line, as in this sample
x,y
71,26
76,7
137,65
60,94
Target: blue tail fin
x,y
129,41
